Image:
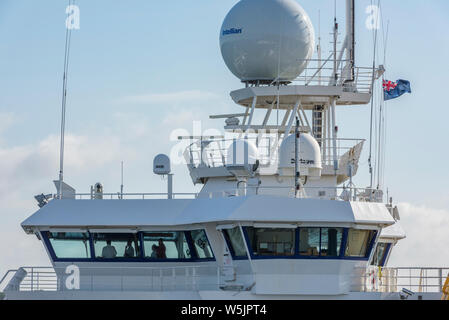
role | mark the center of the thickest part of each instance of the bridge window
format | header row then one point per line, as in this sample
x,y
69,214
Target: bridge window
x,y
166,245
235,242
380,254
201,244
309,241
271,242
69,245
324,242
359,242
116,245
331,241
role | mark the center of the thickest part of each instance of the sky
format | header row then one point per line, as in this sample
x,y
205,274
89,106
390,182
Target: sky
x,y
142,71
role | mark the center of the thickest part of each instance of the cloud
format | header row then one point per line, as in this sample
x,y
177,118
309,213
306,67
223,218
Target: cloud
x,y
28,170
42,159
427,242
171,97
7,119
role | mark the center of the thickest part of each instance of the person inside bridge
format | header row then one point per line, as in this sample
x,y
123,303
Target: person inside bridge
x,y
160,252
109,251
154,252
129,250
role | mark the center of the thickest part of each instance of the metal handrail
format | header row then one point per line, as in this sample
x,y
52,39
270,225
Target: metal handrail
x,y
155,278
356,193
393,279
217,150
6,275
372,279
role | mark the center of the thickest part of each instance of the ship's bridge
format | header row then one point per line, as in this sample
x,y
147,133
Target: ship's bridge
x,y
310,246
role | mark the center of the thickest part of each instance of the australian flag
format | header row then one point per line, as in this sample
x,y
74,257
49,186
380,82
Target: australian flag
x,y
396,89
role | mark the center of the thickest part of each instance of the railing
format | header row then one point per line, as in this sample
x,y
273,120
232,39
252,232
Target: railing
x,y
343,146
130,196
119,279
324,76
329,193
6,278
213,153
193,278
418,280
349,193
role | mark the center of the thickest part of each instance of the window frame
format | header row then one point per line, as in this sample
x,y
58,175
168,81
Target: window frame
x,y
192,247
49,247
297,256
116,259
369,248
141,258
187,239
231,248
386,253
268,257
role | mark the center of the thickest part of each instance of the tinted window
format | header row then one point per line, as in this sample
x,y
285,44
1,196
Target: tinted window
x,y
324,242
166,245
309,241
116,245
331,241
201,244
380,254
271,242
358,242
236,242
70,244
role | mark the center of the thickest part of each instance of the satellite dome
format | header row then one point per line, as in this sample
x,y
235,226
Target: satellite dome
x,y
242,152
265,40
309,155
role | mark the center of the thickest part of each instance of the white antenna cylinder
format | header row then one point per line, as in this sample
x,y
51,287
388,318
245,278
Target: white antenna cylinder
x,y
350,38
297,173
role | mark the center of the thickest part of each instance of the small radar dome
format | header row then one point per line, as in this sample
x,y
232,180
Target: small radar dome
x,y
242,152
266,40
161,164
309,155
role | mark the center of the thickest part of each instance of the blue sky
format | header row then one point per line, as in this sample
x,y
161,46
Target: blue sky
x,y
130,63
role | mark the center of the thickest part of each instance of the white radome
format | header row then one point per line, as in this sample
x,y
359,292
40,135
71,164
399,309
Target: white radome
x,y
309,155
245,153
267,40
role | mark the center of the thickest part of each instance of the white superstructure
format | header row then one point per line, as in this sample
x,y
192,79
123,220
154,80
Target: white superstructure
x,y
278,215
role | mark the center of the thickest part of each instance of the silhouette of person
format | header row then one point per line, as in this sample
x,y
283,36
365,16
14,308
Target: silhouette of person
x,y
109,251
160,252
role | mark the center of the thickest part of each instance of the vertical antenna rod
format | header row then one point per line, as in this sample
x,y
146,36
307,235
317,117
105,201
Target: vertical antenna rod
x,y
297,167
68,35
319,47
335,74
373,79
121,185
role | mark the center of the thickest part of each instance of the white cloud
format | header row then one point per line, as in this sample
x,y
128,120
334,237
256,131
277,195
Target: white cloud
x,y
27,170
427,242
23,164
6,120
